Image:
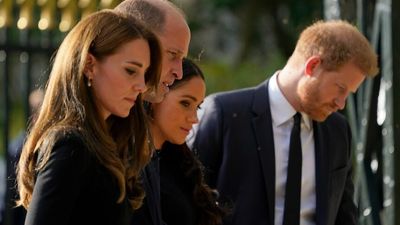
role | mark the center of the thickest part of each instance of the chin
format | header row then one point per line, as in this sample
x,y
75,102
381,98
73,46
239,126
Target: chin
x,y
154,98
321,117
124,115
177,141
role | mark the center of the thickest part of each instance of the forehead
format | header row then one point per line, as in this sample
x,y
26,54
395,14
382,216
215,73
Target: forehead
x,y
133,50
176,34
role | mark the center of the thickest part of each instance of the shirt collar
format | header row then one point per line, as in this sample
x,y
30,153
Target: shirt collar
x,y
281,109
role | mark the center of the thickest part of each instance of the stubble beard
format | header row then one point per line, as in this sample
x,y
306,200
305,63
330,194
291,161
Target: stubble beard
x,y
310,102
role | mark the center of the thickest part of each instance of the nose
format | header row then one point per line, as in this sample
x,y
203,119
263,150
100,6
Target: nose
x,y
140,86
340,102
177,71
193,119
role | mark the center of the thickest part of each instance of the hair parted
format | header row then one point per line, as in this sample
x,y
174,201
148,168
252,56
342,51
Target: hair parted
x,y
337,42
68,107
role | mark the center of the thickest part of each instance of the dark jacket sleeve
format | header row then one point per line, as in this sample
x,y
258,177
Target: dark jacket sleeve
x,y
58,184
208,139
347,212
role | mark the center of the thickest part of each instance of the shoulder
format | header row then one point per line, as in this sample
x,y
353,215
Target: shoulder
x,y
241,101
68,160
236,100
70,143
70,138
69,149
336,120
337,127
232,97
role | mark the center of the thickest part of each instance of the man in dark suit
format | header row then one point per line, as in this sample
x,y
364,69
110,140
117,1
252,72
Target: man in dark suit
x,y
169,24
247,139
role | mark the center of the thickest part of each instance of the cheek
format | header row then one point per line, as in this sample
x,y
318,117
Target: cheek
x,y
163,113
115,84
110,87
166,65
169,116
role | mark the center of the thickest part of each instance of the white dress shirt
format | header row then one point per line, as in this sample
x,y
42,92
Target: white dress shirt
x,y
282,122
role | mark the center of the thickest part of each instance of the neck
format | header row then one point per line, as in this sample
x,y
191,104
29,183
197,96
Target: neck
x,y
288,80
158,141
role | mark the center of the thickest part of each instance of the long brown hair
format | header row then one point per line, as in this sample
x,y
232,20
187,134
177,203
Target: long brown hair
x,y
119,144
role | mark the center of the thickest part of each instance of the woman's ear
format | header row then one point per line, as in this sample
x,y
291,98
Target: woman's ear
x,y
311,64
89,66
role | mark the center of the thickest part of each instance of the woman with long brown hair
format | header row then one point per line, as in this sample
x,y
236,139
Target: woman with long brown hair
x,y
82,156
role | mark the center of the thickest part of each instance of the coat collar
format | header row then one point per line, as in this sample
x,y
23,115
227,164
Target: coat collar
x,y
262,125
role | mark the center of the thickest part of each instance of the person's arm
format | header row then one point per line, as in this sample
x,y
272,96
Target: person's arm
x,y
208,139
347,212
58,185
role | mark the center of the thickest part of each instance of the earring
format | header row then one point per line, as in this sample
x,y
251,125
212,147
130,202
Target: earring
x,y
89,83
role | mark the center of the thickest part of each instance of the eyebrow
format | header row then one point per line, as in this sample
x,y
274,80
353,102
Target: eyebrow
x,y
191,97
135,63
177,51
345,87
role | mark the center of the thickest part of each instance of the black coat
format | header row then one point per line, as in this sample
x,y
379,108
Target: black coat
x,y
177,202
150,212
74,188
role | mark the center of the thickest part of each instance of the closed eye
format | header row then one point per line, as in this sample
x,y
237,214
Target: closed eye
x,y
172,55
185,104
130,71
341,87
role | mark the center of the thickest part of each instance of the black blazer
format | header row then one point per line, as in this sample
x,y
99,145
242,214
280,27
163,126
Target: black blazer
x,y
234,141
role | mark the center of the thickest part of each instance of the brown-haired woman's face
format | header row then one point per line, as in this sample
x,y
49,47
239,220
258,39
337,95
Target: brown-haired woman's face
x,y
174,117
118,79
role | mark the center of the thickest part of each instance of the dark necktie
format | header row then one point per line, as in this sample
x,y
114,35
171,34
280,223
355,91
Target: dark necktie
x,y
291,215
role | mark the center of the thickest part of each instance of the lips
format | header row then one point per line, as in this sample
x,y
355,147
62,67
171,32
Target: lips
x,y
187,130
167,84
131,100
165,87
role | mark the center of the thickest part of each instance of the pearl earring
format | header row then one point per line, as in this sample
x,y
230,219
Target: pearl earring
x,y
89,83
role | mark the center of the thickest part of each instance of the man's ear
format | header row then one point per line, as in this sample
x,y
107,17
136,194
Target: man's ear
x,y
89,66
311,64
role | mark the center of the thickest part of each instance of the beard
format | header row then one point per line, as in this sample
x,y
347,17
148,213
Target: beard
x,y
310,101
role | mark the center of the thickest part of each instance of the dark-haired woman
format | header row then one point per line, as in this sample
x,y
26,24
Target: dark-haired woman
x,y
185,198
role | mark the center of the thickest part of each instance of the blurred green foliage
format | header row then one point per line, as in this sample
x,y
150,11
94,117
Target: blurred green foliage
x,y
223,77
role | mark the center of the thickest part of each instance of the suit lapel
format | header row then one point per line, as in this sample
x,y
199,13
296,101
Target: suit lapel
x,y
262,126
321,173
